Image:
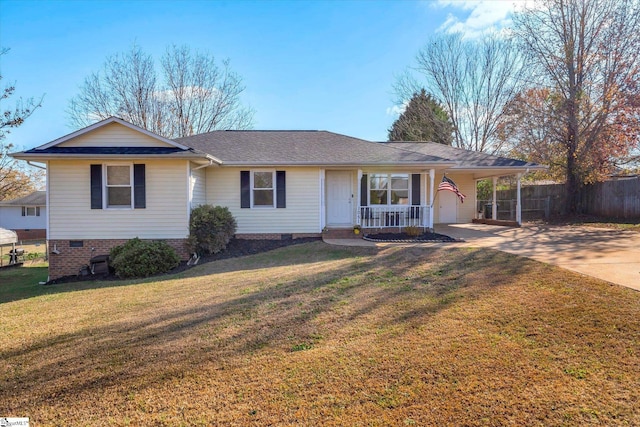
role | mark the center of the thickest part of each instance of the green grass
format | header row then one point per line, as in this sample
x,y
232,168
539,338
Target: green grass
x,y
22,282
319,335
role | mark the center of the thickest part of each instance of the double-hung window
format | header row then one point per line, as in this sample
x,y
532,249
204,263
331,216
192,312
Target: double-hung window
x,y
263,188
118,186
389,189
31,211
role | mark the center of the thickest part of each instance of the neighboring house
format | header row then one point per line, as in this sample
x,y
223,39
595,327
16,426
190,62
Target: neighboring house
x,y
27,216
113,181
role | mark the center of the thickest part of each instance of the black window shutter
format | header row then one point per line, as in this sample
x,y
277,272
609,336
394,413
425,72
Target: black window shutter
x,y
37,210
415,189
281,189
24,213
364,197
245,189
139,187
96,186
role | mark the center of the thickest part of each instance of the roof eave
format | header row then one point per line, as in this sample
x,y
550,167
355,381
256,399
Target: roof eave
x,y
53,156
340,164
482,172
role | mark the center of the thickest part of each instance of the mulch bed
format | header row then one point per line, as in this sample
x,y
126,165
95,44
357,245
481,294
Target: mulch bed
x,y
236,248
405,238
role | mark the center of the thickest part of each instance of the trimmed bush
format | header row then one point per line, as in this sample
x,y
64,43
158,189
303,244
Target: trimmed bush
x,y
413,231
140,258
210,229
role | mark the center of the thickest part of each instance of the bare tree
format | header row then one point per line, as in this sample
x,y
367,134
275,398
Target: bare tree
x,y
587,51
16,178
195,95
473,80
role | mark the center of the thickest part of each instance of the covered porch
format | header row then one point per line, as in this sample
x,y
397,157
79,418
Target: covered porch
x,y
381,199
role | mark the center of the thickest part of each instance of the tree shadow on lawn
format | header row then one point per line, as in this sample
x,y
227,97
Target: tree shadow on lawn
x,y
157,347
570,243
288,255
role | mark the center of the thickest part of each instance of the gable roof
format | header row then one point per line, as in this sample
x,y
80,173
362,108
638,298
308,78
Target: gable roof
x,y
296,147
37,198
103,123
57,148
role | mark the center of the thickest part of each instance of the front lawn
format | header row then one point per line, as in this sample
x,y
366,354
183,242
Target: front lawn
x,y
18,282
321,335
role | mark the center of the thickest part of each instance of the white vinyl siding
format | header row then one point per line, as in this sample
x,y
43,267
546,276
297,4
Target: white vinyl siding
x,y
467,186
71,216
112,135
198,187
302,214
11,218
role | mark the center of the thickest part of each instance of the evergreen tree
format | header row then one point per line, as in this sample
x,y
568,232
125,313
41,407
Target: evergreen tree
x,y
424,119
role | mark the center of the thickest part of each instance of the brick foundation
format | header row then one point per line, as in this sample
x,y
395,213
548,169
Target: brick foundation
x,y
32,234
70,259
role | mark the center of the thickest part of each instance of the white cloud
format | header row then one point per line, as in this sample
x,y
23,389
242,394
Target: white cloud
x,y
480,16
396,110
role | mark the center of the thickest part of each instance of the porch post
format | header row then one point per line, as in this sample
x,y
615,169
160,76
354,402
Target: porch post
x,y
494,204
423,186
323,201
357,203
518,202
432,177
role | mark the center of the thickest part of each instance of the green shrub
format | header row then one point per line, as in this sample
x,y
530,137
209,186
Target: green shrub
x,y
210,229
140,258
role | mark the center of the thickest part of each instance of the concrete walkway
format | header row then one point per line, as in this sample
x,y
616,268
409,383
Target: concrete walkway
x,y
610,255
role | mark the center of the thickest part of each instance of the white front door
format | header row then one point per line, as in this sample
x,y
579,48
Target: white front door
x,y
339,198
447,207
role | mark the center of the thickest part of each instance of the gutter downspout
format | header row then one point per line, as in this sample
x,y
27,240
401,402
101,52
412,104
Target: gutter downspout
x,y
36,166
211,162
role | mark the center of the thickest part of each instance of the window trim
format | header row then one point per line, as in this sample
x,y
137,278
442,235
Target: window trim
x,y
36,210
106,186
273,188
389,189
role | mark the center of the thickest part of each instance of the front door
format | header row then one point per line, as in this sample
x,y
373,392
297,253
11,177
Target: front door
x,y
447,207
339,198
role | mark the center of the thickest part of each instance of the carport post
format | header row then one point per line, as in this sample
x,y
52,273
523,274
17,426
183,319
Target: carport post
x,y
518,202
357,203
494,204
432,177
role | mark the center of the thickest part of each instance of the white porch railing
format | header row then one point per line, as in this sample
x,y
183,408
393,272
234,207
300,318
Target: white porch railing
x,y
393,216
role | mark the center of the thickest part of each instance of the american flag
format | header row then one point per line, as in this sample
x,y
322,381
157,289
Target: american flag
x,y
449,185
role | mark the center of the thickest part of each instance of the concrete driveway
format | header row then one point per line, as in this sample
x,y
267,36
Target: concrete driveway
x,y
610,255
606,254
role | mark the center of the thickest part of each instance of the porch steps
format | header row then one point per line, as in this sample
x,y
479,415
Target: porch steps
x,y
340,233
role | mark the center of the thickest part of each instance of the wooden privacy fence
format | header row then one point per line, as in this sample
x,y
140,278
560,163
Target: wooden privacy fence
x,y
616,199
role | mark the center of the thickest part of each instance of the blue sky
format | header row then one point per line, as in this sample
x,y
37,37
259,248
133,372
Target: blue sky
x,y
326,65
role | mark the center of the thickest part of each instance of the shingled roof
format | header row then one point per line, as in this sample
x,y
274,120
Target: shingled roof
x,y
302,148
464,158
37,198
